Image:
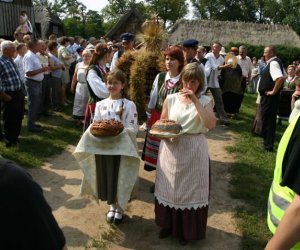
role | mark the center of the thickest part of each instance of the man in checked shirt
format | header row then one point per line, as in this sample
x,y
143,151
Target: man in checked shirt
x,y
11,94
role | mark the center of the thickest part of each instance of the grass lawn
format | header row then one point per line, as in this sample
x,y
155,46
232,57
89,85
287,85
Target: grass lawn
x,y
252,175
33,148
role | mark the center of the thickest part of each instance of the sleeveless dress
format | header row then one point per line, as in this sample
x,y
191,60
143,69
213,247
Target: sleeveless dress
x,y
81,93
182,174
165,85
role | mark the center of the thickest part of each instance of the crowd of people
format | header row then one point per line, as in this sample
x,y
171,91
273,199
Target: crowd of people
x,y
200,88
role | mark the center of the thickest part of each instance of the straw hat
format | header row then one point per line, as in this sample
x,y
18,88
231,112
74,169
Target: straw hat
x,y
231,59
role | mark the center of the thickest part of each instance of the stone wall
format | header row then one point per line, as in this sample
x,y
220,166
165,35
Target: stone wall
x,y
207,31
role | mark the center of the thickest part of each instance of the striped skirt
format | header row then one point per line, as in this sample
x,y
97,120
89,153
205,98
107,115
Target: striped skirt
x,y
182,177
182,184
151,146
89,115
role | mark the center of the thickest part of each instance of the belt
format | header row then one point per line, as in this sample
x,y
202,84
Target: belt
x,y
29,79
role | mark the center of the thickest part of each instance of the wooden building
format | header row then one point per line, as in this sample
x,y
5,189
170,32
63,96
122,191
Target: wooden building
x,y
9,16
47,23
130,22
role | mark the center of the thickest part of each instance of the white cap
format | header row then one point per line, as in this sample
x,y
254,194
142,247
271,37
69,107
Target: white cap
x,y
222,52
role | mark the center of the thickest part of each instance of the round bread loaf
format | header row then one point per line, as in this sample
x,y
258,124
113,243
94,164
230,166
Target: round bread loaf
x,y
166,126
106,128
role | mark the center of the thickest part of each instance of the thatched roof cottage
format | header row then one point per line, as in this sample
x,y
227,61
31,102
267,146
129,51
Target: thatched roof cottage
x,y
130,22
207,31
47,23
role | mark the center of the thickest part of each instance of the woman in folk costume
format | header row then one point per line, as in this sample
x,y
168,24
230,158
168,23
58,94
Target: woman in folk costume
x,y
110,164
79,86
164,84
96,78
182,174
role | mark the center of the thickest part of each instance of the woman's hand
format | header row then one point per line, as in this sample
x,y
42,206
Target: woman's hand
x,y
296,94
189,94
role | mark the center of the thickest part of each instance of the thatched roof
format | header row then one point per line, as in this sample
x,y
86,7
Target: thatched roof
x,y
129,22
47,19
43,14
207,31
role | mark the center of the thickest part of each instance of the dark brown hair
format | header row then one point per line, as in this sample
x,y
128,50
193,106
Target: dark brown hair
x,y
52,45
64,40
101,50
117,74
20,46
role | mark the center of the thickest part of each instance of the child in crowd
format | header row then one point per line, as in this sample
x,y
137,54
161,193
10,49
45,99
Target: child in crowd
x,y
119,108
110,164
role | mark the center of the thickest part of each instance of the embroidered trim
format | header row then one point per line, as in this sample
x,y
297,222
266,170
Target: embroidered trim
x,y
180,206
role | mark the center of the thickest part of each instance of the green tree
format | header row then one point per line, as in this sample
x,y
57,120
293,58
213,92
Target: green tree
x,y
205,9
93,25
73,26
262,11
286,12
168,10
242,10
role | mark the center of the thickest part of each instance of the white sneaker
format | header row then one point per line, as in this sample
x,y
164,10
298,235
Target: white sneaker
x,y
110,216
143,127
118,217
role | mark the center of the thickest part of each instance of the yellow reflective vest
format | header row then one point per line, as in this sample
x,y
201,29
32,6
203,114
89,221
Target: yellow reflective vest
x,y
280,197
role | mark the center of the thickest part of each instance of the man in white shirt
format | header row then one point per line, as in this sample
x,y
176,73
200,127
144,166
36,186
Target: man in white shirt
x,y
47,81
19,38
92,43
34,75
213,67
271,80
246,64
21,51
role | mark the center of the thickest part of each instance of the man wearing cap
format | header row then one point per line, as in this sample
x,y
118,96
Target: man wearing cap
x,y
213,67
190,50
190,47
79,51
127,45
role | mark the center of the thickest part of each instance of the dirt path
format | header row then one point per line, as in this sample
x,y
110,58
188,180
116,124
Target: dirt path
x,y
83,219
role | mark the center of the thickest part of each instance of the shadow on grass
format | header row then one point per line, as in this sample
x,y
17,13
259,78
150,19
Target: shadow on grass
x,y
34,148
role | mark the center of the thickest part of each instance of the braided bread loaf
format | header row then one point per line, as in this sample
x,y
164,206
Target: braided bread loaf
x,y
106,128
166,126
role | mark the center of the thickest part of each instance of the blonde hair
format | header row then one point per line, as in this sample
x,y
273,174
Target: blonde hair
x,y
193,71
86,52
